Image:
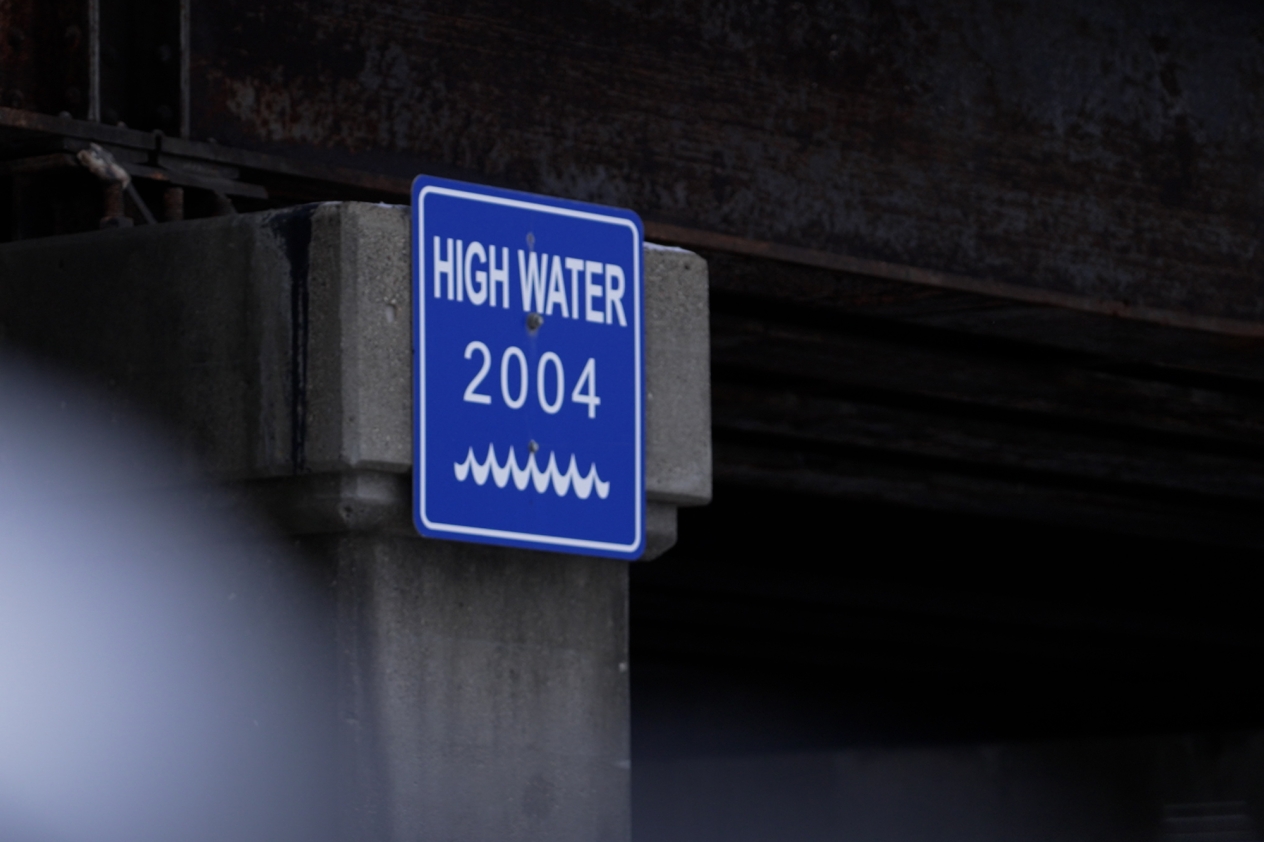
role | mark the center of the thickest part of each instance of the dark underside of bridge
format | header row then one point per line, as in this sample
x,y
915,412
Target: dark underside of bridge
x,y
941,513
945,516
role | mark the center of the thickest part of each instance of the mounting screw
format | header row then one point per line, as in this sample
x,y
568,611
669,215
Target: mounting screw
x,y
534,320
533,447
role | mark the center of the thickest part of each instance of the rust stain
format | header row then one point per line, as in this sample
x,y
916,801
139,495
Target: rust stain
x,y
1085,149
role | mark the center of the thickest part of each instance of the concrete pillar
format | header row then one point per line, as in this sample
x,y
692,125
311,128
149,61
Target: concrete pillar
x,y
483,691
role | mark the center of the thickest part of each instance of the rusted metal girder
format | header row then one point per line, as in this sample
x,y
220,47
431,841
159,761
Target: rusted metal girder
x,y
21,129
178,155
713,241
123,62
46,56
1005,177
1102,150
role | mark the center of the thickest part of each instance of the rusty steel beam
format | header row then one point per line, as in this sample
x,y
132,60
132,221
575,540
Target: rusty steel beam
x,y
1093,151
174,177
393,187
34,126
38,163
45,50
1063,391
141,64
1040,453
727,243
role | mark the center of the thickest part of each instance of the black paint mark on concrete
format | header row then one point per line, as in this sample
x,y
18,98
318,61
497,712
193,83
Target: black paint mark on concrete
x,y
294,228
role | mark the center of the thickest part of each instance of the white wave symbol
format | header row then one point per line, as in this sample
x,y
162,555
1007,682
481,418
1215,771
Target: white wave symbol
x,y
562,481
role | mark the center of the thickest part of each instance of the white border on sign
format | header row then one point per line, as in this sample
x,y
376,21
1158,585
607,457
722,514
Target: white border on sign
x,y
553,540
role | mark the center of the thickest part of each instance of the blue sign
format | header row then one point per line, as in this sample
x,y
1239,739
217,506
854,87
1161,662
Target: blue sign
x,y
528,371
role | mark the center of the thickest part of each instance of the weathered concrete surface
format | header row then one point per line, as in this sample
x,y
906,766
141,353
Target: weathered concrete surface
x,y
677,377
285,347
359,364
192,321
485,691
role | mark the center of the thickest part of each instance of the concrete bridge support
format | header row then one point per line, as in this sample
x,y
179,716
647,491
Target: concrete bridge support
x,y
482,692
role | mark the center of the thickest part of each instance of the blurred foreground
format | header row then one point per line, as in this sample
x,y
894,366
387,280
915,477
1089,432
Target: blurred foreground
x,y
164,673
